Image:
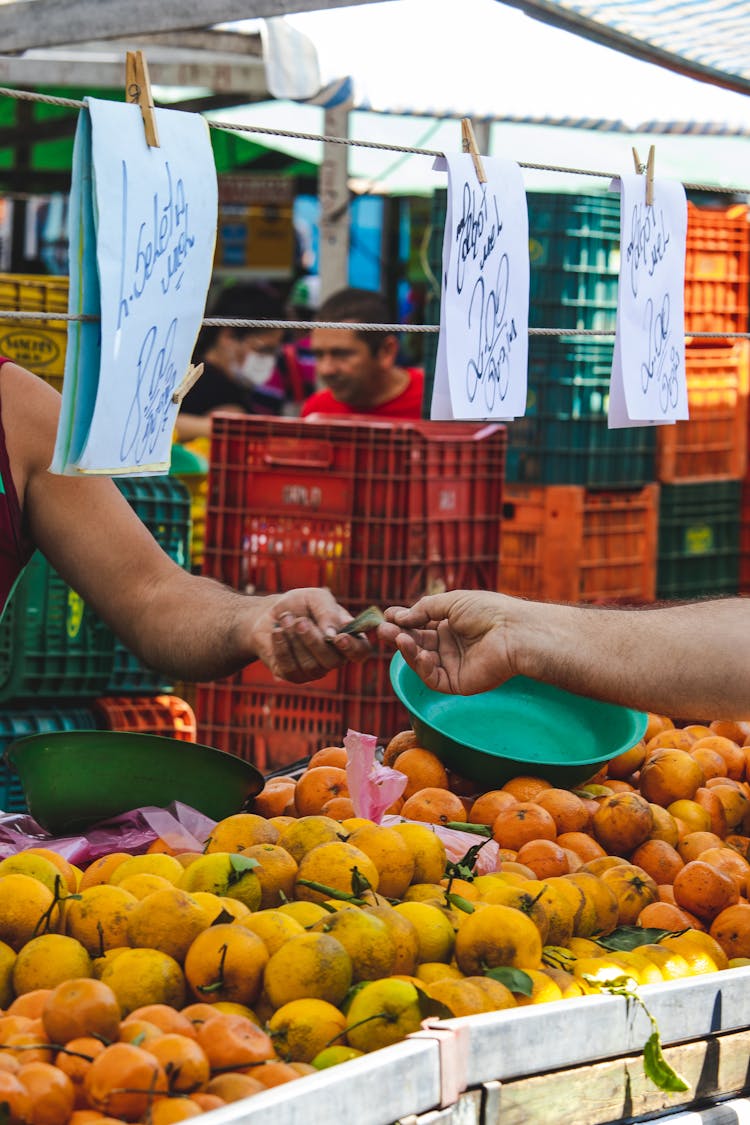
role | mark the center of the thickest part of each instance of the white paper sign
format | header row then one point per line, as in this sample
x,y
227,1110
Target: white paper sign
x,y
648,383
482,356
143,232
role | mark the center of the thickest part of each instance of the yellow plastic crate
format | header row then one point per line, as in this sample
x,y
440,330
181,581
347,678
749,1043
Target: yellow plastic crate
x,y
38,345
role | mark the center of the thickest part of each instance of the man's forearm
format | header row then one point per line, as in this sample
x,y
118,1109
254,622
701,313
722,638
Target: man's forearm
x,y
691,661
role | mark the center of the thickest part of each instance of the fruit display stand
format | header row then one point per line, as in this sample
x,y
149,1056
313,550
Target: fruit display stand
x,y
571,1062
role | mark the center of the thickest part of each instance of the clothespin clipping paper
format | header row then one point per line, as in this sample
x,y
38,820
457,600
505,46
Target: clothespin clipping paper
x,y
648,385
138,90
469,144
194,373
648,168
482,354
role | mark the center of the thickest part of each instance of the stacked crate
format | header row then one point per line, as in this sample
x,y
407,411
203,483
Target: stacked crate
x,y
701,463
380,512
580,512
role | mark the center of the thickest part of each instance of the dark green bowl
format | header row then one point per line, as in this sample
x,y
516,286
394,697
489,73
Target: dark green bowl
x,y
72,779
522,727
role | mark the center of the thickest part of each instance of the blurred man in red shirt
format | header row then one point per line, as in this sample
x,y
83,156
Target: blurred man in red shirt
x,y
358,369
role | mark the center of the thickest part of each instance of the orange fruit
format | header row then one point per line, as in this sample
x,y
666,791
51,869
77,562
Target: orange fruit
x,y
622,822
655,725
51,1092
522,822
434,805
276,796
525,787
329,756
123,1081
226,962
730,751
100,869
423,770
670,775
485,808
731,928
704,890
634,889
318,785
584,846
233,1042
404,740
545,858
163,1016
625,764
81,1007
240,831
566,809
658,859
184,1061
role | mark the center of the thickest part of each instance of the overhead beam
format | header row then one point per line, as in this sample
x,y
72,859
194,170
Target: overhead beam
x,y
49,23
243,77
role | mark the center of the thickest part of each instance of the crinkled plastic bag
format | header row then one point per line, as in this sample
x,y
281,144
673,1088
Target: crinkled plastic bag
x,y
457,843
183,828
373,787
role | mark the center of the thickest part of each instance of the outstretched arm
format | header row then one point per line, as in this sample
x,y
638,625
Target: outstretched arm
x,y
189,627
689,660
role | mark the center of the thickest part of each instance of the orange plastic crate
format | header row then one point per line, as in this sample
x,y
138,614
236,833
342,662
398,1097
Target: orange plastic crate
x,y
167,715
717,269
712,443
565,543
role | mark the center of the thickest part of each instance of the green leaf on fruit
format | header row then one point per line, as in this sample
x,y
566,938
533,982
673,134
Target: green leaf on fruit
x,y
657,1068
430,1008
514,979
625,938
464,826
460,903
239,865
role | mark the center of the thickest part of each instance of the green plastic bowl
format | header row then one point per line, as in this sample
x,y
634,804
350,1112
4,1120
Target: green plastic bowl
x,y
522,727
73,779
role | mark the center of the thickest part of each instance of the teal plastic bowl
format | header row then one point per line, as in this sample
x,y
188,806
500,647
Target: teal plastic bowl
x,y
73,779
522,727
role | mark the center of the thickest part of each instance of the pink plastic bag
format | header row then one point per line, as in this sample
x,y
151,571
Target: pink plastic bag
x,y
372,787
182,827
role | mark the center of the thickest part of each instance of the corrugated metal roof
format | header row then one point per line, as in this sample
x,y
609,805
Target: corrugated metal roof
x,y
707,39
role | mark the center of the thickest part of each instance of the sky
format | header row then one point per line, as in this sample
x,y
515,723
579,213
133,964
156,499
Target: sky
x,y
482,58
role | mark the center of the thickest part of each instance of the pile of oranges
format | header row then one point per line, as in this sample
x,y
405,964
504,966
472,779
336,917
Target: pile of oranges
x,y
150,988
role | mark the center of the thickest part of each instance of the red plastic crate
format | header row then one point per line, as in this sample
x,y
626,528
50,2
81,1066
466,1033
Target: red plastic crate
x,y
265,721
565,543
167,715
272,723
712,443
717,269
377,511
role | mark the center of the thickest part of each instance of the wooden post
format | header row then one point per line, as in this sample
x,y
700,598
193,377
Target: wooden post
x,y
333,192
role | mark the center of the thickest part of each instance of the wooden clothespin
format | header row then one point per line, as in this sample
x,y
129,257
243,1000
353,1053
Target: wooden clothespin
x,y
194,373
138,90
648,168
469,144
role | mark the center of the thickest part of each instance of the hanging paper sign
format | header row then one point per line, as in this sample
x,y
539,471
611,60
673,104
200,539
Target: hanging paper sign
x,y
648,384
142,237
482,355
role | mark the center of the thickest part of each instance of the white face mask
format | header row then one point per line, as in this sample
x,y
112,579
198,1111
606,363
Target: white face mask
x,y
256,369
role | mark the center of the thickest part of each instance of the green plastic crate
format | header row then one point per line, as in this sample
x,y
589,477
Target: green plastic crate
x,y
699,540
563,438
162,503
574,257
19,723
52,645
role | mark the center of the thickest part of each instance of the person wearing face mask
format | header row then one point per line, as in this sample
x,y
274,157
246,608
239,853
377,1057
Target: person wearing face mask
x,y
243,368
